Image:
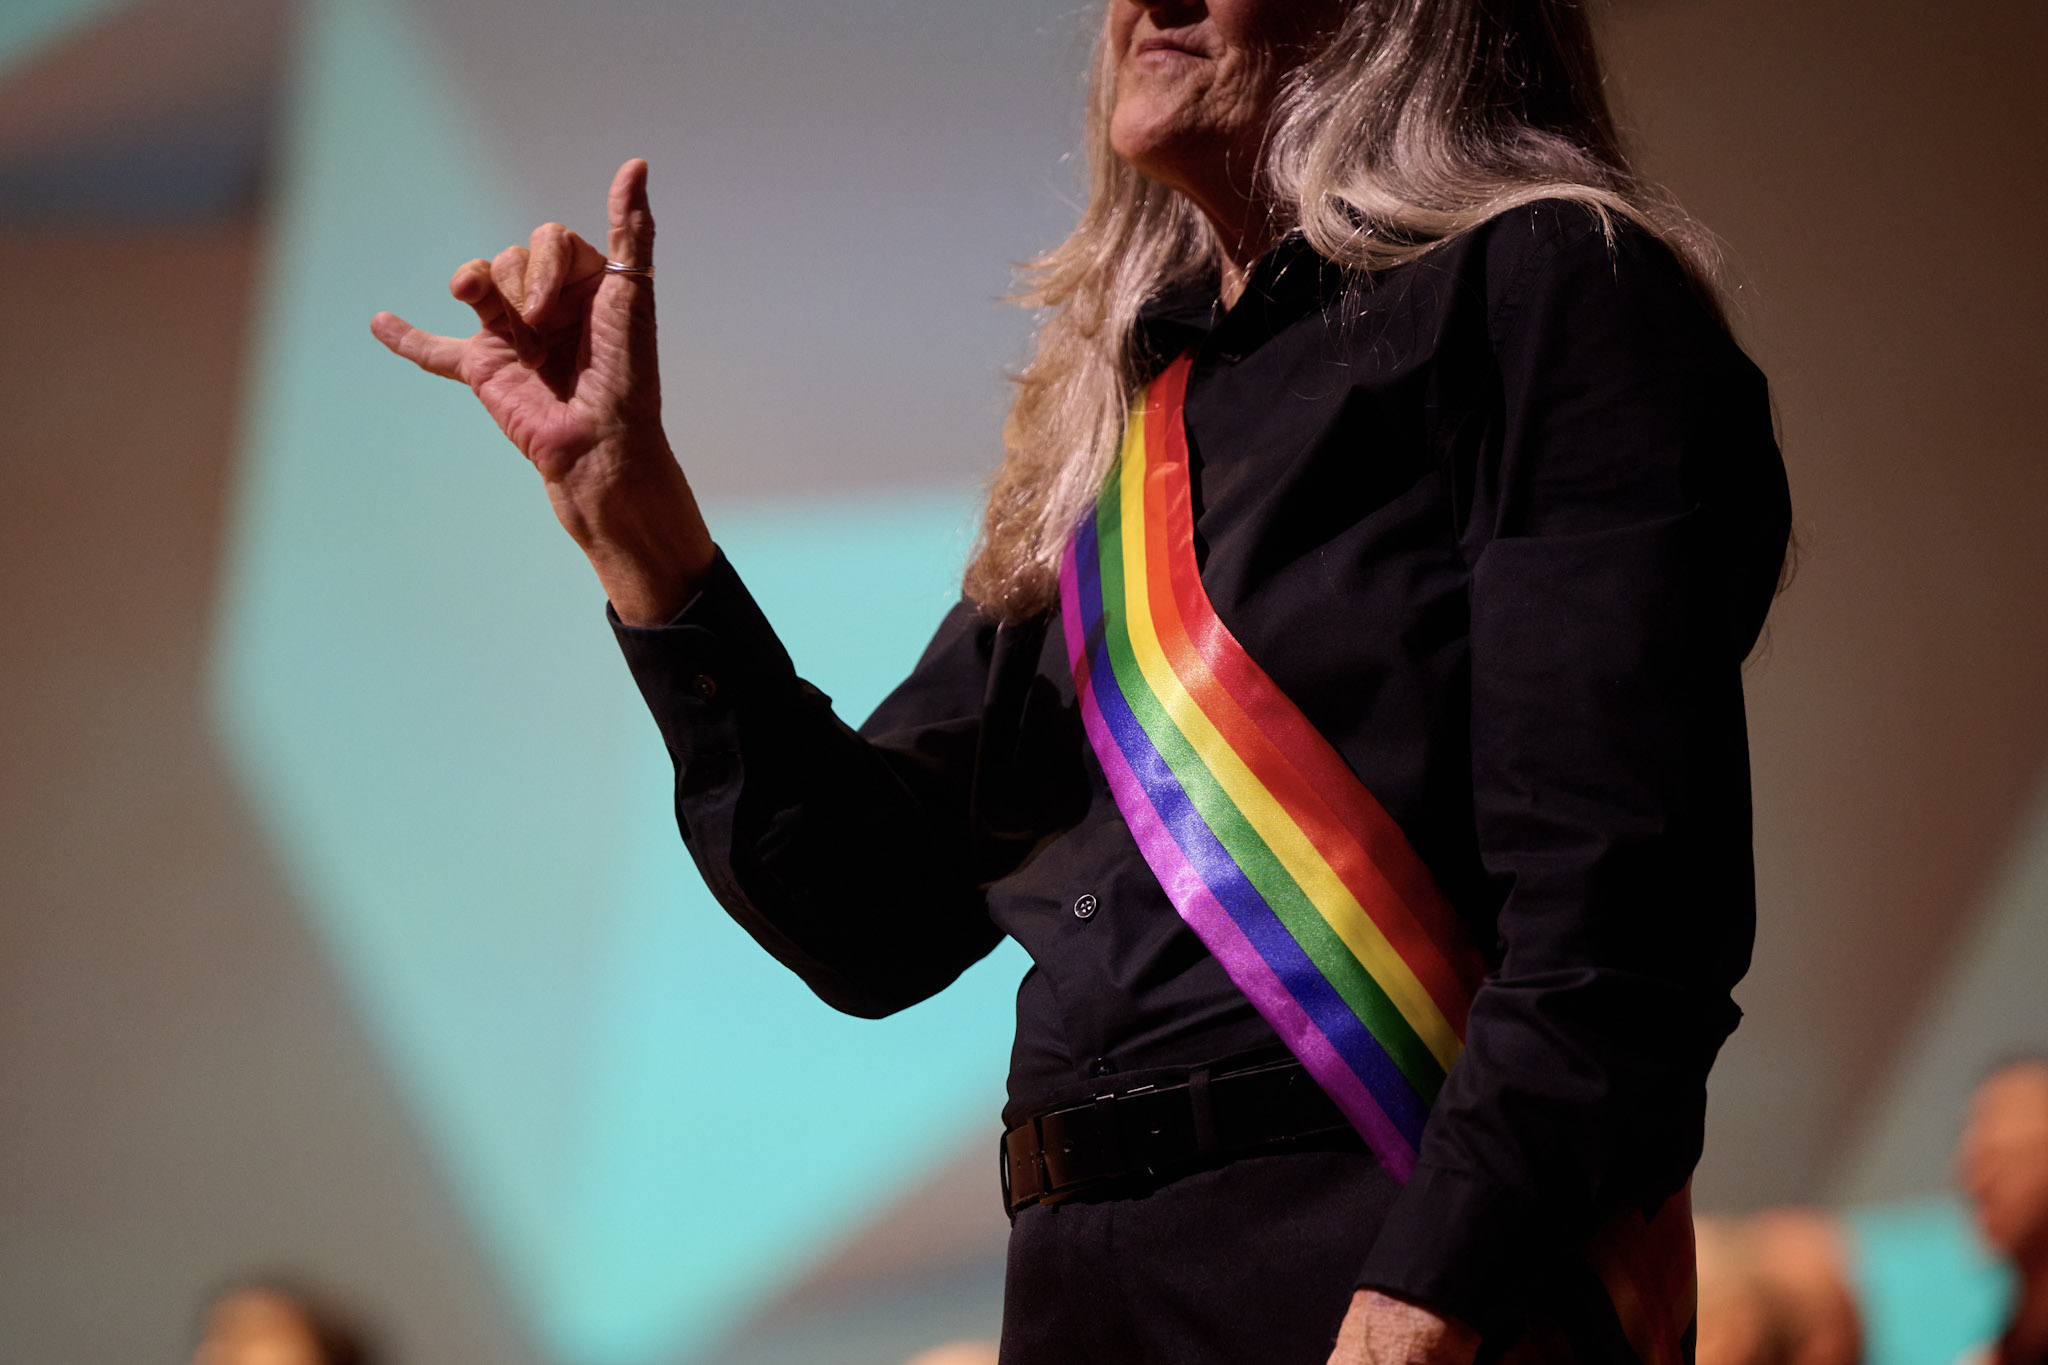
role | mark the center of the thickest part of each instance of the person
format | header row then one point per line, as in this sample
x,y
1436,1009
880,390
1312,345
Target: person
x,y
270,1323
1774,1289
2002,1163
1343,708
958,1353
1923,1281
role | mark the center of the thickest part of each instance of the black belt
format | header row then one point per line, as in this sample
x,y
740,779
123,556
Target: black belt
x,y
1157,1132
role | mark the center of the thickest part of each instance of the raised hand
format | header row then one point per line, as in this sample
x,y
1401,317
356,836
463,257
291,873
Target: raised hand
x,y
564,361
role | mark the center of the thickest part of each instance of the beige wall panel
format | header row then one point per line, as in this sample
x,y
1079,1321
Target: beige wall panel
x,y
187,1096
1876,171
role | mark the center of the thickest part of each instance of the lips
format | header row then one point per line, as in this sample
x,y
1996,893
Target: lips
x,y
1162,43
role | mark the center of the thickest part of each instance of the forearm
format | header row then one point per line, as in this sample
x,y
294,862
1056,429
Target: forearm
x,y
846,859
818,848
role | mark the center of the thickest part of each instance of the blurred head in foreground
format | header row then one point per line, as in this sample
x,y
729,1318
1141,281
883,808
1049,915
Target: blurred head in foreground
x,y
2002,1161
959,1353
266,1324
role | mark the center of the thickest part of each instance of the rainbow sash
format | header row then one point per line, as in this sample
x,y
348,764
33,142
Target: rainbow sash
x,y
1276,855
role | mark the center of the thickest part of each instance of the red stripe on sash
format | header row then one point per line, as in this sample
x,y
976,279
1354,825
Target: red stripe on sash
x,y
1283,751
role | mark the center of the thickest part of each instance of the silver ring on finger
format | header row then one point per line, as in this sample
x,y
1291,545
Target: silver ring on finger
x,y
621,268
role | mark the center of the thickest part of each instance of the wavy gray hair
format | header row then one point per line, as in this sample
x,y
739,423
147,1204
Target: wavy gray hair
x,y
1414,121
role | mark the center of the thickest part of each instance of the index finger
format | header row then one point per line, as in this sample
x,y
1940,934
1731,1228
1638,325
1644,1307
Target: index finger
x,y
630,240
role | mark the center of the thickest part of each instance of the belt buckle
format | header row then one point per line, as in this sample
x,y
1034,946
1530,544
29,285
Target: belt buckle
x,y
1126,1124
1071,1150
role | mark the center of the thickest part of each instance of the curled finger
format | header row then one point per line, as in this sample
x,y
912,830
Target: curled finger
x,y
475,285
559,262
508,273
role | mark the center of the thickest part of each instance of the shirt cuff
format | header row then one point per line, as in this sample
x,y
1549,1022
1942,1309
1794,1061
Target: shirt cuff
x,y
715,657
1456,1244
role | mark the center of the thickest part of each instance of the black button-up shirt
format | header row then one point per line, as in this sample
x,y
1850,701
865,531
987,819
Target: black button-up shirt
x,y
1504,523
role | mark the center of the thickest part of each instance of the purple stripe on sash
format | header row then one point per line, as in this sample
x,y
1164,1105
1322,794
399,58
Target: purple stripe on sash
x,y
1199,847
1197,903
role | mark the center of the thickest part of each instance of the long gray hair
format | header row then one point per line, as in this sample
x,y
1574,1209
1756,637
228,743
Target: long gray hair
x,y
1414,121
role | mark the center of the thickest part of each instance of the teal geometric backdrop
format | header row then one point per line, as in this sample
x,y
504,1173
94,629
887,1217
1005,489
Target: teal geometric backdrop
x,y
413,678
647,1121
28,26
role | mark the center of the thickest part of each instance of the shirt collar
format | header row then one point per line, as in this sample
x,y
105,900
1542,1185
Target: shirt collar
x,y
1284,283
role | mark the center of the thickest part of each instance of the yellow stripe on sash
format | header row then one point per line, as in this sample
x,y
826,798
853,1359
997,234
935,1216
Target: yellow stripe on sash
x,y
1311,871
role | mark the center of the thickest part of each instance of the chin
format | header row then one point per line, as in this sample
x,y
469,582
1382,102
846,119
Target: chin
x,y
1155,146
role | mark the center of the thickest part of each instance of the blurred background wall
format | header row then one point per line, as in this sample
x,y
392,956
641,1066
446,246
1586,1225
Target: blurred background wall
x,y
341,930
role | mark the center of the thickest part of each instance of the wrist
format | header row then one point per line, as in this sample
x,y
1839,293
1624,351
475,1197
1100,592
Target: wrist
x,y
643,535
648,589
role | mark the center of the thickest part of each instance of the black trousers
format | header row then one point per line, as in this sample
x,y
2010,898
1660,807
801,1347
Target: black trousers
x,y
1253,1263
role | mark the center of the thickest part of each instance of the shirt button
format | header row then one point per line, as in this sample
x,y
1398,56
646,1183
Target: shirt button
x,y
705,686
1102,1066
1086,907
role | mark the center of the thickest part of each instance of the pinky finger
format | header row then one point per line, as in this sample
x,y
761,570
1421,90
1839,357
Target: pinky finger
x,y
434,354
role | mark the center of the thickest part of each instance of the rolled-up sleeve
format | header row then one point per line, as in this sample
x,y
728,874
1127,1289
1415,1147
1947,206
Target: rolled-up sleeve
x,y
1637,518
